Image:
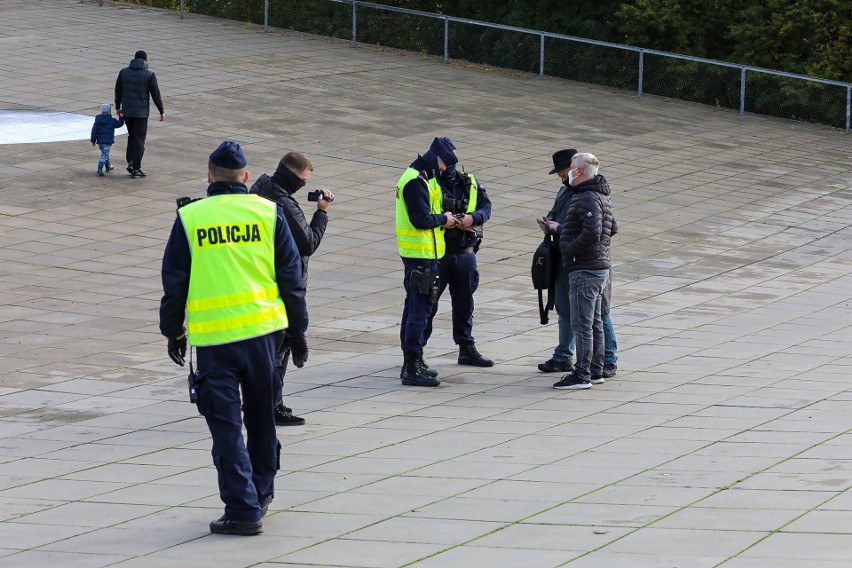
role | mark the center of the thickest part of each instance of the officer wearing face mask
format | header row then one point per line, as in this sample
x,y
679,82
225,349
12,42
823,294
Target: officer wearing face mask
x,y
464,197
420,224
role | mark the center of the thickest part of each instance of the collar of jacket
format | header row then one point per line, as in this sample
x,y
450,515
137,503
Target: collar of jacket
x,y
287,180
225,187
597,184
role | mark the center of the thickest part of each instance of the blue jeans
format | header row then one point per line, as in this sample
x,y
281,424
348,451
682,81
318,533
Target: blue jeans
x,y
565,350
610,345
585,289
104,155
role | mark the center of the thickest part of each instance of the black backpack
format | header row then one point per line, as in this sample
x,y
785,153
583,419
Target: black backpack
x,y
544,262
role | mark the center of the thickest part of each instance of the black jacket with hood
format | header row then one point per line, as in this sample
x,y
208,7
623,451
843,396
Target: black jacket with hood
x,y
135,83
588,226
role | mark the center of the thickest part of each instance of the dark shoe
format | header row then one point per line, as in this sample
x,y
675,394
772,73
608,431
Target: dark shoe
x,y
224,525
135,175
413,374
468,355
264,505
556,366
597,380
109,167
100,172
609,370
572,382
130,168
424,368
138,173
284,416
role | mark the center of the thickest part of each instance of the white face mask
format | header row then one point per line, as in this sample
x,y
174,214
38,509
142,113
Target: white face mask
x,y
570,176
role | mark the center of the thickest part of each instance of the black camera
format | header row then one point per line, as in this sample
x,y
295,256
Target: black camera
x,y
185,200
318,196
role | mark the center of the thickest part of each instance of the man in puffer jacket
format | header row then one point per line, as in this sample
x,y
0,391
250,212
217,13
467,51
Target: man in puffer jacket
x,y
135,85
294,170
103,136
584,242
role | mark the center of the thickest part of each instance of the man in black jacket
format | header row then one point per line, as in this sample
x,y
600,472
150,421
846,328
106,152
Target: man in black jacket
x,y
584,242
293,172
135,85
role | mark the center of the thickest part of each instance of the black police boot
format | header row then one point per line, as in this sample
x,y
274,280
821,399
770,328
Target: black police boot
x,y
227,525
413,374
424,368
468,355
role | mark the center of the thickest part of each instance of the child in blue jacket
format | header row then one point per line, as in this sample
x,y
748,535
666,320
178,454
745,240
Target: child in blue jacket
x,y
103,134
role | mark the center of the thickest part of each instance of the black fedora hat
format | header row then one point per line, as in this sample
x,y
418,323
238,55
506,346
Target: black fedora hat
x,y
562,160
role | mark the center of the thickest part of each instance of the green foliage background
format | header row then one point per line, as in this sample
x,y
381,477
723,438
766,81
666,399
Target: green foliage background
x,y
807,37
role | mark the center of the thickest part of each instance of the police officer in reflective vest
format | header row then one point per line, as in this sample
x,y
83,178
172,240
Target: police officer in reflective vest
x,y
467,201
420,224
232,268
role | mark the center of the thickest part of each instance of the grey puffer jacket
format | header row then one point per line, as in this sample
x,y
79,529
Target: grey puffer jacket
x,y
134,85
588,226
307,236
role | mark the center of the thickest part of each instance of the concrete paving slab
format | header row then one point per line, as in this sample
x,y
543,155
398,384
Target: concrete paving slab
x,y
722,441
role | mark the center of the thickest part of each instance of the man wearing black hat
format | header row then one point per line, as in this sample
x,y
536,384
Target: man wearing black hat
x,y
232,269
135,85
420,224
563,355
463,196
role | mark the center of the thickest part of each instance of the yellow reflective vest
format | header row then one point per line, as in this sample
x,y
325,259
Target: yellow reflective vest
x,y
413,242
233,294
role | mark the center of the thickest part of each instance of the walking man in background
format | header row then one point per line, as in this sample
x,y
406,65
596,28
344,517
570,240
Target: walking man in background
x,y
134,88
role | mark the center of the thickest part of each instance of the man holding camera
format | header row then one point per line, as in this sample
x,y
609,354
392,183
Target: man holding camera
x,y
293,172
420,224
232,270
467,201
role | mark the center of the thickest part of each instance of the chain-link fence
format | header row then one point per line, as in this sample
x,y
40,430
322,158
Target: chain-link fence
x,y
706,81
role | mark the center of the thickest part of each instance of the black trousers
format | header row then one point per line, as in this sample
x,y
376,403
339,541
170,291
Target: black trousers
x,y
246,467
137,131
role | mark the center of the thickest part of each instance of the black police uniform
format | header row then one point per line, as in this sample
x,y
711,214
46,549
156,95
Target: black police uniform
x,y
458,268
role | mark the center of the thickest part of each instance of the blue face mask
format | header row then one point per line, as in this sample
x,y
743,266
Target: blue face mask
x,y
449,172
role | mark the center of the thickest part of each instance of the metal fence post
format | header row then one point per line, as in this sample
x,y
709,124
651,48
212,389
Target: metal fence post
x,y
266,16
181,9
848,105
446,40
541,59
354,23
742,91
641,70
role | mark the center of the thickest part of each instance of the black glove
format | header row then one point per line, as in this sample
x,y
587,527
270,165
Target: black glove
x,y
177,348
298,348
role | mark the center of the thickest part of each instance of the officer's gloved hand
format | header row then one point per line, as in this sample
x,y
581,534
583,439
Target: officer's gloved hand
x,y
177,348
298,348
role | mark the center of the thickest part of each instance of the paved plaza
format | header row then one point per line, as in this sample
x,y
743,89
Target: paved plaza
x,y
724,440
